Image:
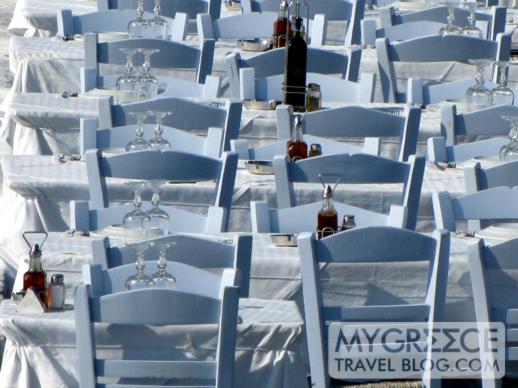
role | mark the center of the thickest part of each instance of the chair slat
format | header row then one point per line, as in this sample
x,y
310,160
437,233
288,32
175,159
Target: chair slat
x,y
392,313
156,369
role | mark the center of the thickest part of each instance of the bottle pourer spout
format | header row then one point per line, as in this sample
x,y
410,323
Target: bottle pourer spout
x,y
327,192
35,251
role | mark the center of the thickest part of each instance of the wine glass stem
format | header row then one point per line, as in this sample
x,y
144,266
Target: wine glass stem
x,y
140,130
155,199
480,75
137,199
147,64
159,130
451,17
140,262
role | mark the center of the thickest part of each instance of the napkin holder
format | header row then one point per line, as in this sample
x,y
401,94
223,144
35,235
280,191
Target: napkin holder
x,y
30,302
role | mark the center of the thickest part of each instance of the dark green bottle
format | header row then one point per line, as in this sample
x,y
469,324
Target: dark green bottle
x,y
295,72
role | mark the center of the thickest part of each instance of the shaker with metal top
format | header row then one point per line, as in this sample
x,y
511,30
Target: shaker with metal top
x,y
56,292
313,98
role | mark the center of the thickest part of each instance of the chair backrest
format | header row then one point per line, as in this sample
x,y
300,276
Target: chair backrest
x,y
494,204
419,93
353,169
495,19
329,147
272,63
333,89
167,8
252,25
477,178
368,245
105,22
84,217
303,218
155,306
163,165
194,250
350,10
434,48
186,114
92,137
172,55
356,121
492,269
397,32
483,122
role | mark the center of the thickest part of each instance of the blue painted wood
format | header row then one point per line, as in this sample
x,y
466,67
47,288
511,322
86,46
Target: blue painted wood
x,y
492,205
484,122
269,151
353,169
491,268
187,115
350,10
332,88
100,22
168,8
243,26
434,48
189,305
194,250
272,62
164,165
495,18
303,218
118,137
172,55
368,245
356,121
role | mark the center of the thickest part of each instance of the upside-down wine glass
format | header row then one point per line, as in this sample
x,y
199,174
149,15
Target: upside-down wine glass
x,y
161,277
471,29
136,227
157,25
478,96
148,82
138,143
159,218
509,151
139,27
158,142
502,94
127,85
450,28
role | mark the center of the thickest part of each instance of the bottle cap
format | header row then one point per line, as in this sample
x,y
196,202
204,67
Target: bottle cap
x,y
313,86
57,278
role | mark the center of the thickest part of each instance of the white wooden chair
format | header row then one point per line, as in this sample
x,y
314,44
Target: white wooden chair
x,y
200,298
433,48
353,169
357,122
368,245
486,122
203,252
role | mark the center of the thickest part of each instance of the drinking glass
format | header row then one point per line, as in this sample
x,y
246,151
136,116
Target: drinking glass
x,y
509,151
158,142
450,28
138,143
159,218
148,82
127,85
139,27
471,29
136,227
162,278
502,95
478,96
157,25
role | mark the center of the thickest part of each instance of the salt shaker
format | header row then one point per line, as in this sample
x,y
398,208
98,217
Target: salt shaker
x,y
56,292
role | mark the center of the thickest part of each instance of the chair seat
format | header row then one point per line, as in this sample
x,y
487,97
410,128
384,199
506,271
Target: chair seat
x,y
507,316
388,313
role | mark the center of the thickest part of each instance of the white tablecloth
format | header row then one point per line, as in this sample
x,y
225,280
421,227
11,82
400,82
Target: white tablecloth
x,y
37,191
40,348
39,123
